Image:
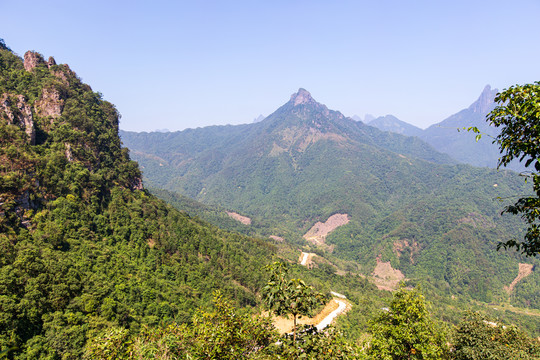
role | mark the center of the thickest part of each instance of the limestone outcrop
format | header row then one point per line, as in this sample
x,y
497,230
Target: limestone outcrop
x,y
32,59
50,103
16,111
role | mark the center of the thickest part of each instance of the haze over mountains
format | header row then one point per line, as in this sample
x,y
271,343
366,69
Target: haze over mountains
x,y
449,136
94,266
393,124
407,203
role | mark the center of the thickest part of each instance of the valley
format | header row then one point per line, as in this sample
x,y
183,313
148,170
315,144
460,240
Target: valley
x,y
355,199
118,244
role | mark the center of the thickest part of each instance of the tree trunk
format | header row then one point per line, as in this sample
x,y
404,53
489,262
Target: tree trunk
x,y
294,328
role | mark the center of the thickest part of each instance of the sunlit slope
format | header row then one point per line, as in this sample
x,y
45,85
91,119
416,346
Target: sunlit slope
x,y
84,248
407,203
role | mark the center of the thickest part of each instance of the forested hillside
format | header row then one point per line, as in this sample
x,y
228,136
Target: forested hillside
x,y
93,266
84,248
409,205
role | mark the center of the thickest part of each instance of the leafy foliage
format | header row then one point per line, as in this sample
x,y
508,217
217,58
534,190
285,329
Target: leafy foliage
x,y
328,344
223,333
518,117
406,331
84,249
477,338
286,297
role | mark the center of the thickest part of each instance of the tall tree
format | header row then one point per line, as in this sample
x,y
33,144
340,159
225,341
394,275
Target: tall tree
x,y
518,117
285,296
406,331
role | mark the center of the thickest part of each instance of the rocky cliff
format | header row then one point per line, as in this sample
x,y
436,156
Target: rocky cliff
x,y
54,125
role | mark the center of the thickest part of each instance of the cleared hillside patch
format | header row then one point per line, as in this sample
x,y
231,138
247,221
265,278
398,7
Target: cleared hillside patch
x,y
386,277
318,232
524,271
243,219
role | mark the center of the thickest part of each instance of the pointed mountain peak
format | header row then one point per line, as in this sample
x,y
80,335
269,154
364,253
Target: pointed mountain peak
x,y
484,104
302,97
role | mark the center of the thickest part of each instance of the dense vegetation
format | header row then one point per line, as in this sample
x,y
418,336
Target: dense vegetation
x,y
93,266
83,247
518,118
404,330
434,220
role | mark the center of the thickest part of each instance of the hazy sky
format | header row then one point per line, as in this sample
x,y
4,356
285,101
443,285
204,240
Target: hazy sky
x,y
181,64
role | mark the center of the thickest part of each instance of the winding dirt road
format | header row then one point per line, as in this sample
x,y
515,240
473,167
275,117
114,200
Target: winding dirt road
x,y
330,317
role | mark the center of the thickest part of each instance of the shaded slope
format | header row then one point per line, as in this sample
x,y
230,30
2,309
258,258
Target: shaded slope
x,y
449,136
461,145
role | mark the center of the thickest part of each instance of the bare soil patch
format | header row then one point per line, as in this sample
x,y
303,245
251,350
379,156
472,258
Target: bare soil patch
x,y
277,238
386,277
317,234
306,259
524,271
243,219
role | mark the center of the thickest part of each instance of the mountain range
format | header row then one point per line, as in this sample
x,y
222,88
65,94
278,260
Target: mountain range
x,y
450,137
93,265
408,204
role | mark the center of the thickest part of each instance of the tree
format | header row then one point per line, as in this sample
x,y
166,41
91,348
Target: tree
x,y
518,117
406,331
3,46
476,337
289,296
328,344
222,333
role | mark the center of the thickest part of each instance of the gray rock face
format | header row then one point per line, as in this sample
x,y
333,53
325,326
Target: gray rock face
x,y
303,100
50,103
16,111
485,103
302,97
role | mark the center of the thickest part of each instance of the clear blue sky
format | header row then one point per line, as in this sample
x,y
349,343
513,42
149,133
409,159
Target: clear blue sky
x,y
182,64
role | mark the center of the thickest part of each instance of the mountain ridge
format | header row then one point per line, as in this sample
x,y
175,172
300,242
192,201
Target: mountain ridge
x,y
450,136
393,124
304,163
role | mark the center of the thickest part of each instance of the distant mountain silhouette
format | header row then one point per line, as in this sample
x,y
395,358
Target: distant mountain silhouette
x,y
393,124
449,136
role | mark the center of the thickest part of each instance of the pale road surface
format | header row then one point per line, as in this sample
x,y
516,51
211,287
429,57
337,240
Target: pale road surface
x,y
328,320
341,304
304,258
338,295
